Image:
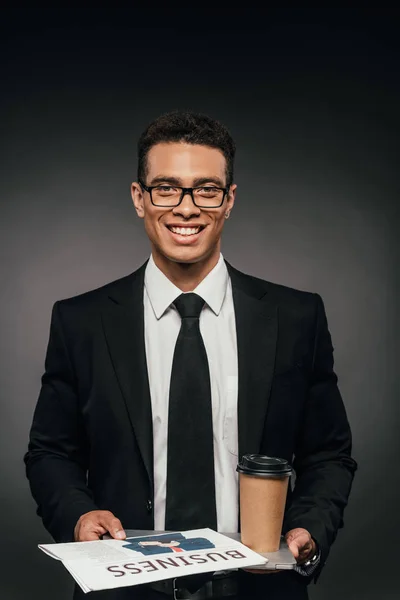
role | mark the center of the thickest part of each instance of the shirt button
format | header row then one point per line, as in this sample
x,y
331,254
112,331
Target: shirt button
x,y
149,505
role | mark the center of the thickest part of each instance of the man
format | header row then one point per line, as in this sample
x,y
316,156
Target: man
x,y
157,383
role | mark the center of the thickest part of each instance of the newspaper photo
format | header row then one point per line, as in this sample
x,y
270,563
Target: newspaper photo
x,y
107,564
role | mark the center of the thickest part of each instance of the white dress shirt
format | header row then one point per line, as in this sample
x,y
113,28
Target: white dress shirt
x,y
217,325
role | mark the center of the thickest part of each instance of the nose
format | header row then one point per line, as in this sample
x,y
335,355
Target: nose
x,y
187,207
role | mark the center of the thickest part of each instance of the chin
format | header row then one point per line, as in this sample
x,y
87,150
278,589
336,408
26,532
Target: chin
x,y
185,258
184,255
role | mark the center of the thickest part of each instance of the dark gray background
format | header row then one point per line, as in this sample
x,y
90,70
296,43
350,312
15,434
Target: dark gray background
x,y
314,109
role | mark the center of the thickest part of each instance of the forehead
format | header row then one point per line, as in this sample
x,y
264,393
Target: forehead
x,y
177,159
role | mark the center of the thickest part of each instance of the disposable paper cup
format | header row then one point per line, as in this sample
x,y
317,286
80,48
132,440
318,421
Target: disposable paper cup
x,y
263,483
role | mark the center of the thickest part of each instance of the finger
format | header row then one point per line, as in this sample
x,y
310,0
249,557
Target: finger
x,y
301,553
307,552
89,529
301,537
90,535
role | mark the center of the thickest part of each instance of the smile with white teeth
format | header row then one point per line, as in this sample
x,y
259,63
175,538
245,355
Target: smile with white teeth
x,y
185,230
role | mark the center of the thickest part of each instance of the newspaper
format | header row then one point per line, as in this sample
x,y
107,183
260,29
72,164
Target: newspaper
x,y
107,564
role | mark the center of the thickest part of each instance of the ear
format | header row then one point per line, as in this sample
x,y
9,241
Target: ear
x,y
137,198
230,201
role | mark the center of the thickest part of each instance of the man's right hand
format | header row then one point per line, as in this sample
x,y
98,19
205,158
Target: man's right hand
x,y
92,525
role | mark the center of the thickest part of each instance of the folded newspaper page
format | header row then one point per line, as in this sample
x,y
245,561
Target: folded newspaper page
x,y
107,564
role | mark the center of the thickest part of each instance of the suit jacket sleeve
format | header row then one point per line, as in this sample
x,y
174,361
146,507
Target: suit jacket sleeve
x,y
323,464
56,461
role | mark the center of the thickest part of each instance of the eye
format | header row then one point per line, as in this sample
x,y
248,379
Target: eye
x,y
165,189
208,190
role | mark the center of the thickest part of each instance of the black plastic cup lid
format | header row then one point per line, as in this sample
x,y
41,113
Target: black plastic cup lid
x,y
260,465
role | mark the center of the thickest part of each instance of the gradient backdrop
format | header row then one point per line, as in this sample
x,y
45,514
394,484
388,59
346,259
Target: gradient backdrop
x,y
314,109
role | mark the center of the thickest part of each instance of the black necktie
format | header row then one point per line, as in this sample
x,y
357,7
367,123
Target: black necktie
x,y
190,502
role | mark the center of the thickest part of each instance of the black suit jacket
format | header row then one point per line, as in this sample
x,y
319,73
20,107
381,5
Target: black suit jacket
x,y
91,438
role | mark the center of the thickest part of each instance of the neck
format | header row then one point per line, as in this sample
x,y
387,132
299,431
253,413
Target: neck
x,y
186,276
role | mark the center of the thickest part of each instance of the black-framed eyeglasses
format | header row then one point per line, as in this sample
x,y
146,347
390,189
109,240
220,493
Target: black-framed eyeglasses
x,y
169,196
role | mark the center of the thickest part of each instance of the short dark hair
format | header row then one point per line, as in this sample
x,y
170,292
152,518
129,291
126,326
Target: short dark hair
x,y
191,128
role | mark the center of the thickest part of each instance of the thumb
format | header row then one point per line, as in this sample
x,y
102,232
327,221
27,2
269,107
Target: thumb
x,y
294,548
119,534
114,527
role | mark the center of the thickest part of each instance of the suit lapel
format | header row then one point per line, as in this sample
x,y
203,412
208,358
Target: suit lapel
x,y
256,330
123,322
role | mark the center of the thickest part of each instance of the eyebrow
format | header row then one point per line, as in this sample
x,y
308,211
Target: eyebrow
x,y
178,182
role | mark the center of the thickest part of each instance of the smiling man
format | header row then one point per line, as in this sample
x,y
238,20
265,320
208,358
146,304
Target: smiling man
x,y
157,383
190,196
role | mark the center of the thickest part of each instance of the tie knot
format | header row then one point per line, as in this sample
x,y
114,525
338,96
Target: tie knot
x,y
189,305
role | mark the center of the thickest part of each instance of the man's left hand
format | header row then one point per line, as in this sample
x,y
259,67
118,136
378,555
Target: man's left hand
x,y
301,545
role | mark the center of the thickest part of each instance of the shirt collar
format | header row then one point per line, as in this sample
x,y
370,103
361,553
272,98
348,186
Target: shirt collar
x,y
213,287
162,292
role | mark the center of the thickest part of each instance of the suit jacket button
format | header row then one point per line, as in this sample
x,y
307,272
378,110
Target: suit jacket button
x,y
149,505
